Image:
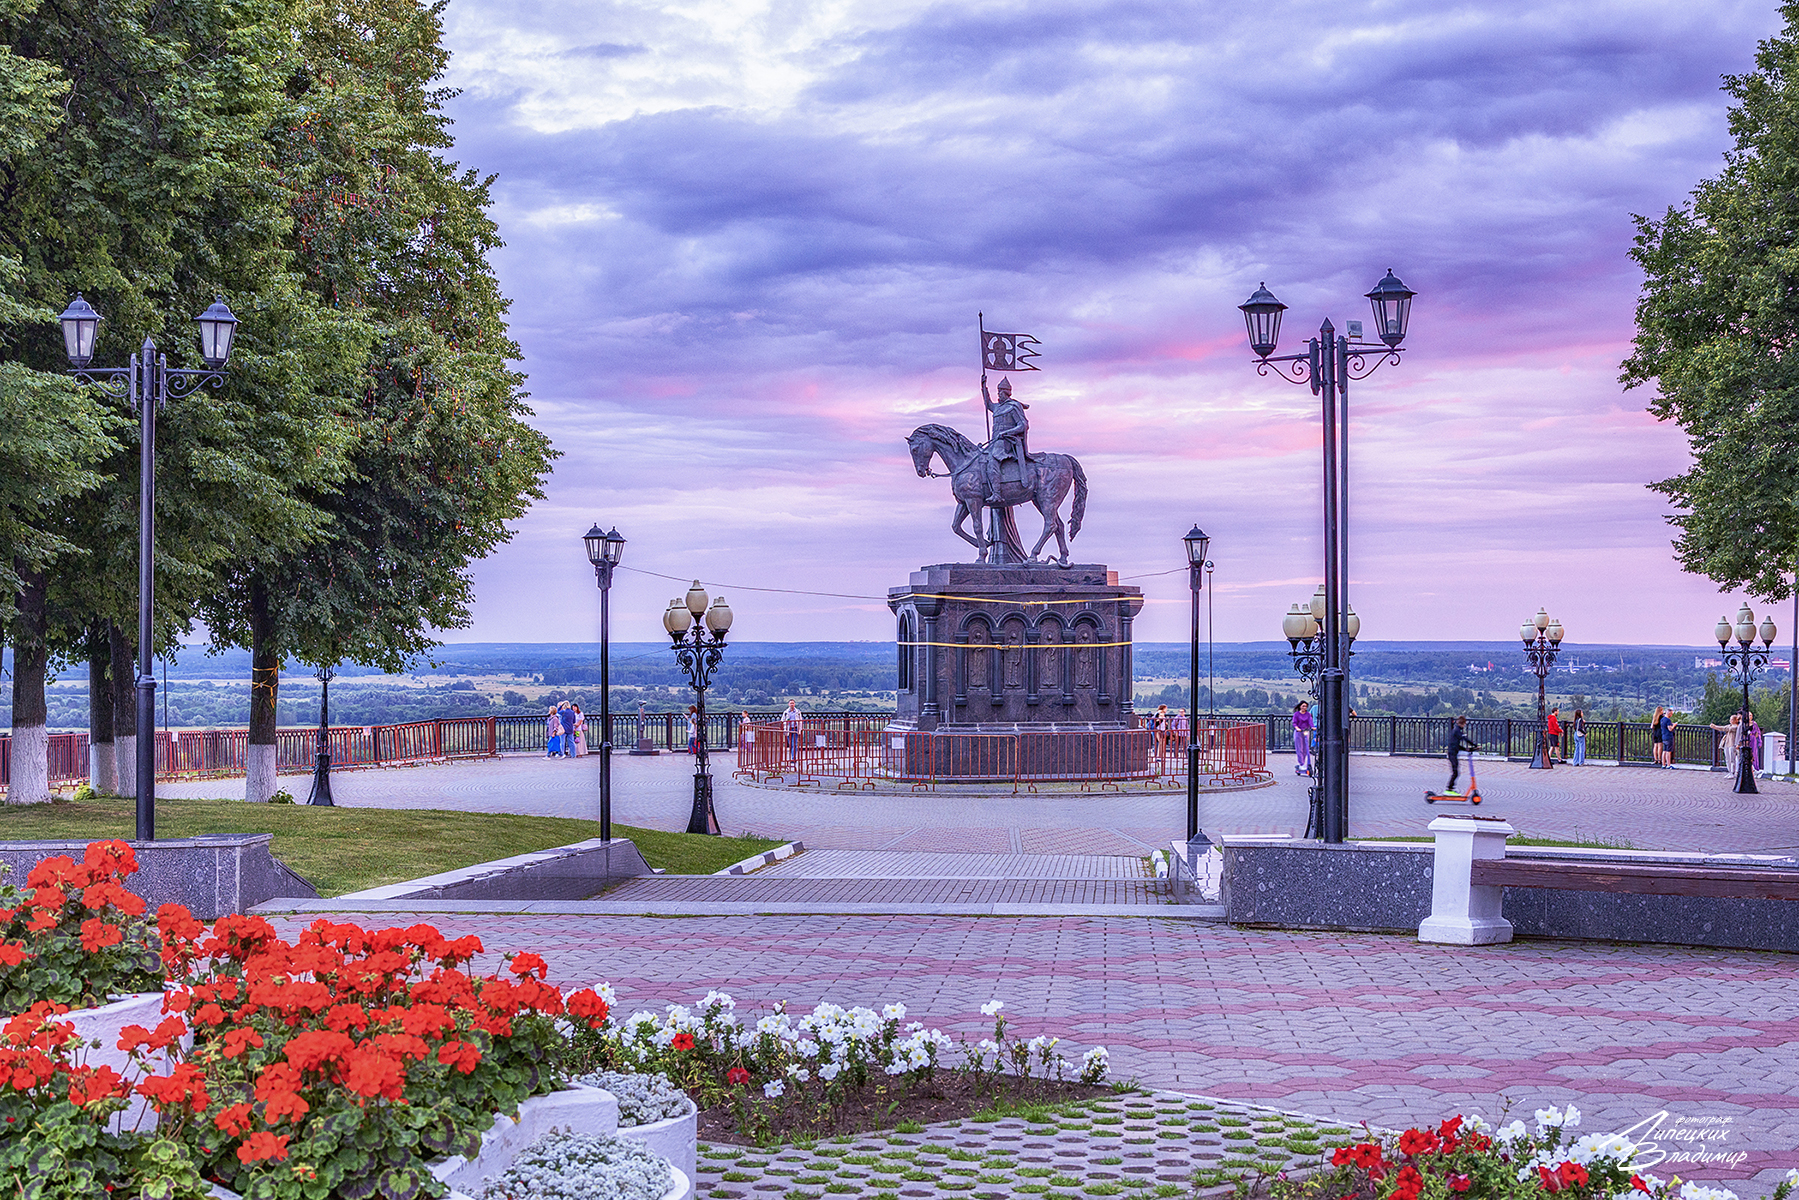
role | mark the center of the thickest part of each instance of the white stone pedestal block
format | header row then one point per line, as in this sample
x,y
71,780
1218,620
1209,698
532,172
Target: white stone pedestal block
x,y
1460,913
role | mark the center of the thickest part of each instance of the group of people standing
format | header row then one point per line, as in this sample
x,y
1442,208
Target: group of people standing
x,y
565,730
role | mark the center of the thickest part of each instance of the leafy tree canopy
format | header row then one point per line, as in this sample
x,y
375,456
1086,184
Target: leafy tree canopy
x,y
1718,334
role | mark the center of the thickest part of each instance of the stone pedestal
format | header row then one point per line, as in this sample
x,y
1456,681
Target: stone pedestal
x,y
1005,649
1462,914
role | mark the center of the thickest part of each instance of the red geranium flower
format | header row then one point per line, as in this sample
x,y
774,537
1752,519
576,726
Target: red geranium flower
x,y
262,1145
737,1075
682,1041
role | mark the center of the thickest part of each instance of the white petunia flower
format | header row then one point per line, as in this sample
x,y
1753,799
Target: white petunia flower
x,y
773,1088
798,1072
1514,1132
829,1071
992,1007
1549,1118
1694,1191
894,1012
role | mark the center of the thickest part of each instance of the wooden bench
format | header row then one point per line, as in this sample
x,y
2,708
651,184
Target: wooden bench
x,y
1642,879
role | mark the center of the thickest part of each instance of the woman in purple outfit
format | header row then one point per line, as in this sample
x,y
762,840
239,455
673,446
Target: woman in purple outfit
x,y
1302,738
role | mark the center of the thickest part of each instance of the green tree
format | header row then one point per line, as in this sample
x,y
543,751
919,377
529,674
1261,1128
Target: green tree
x,y
150,194
1718,334
440,455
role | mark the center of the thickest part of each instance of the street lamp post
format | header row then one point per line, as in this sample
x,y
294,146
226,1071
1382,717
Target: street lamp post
x,y
699,655
148,383
604,551
1197,543
321,767
1301,628
1542,636
1747,662
1328,365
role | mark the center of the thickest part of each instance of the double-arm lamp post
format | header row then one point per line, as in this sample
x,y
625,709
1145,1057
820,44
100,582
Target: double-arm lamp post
x,y
1542,636
1197,544
148,383
699,648
1328,365
1745,661
605,551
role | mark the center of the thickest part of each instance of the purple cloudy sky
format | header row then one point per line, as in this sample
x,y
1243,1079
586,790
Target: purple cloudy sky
x,y
747,242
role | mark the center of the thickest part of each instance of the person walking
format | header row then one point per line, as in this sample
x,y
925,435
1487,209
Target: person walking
x,y
790,725
1552,736
580,732
1655,736
1580,738
1159,725
693,729
1667,728
567,716
1303,724
1755,743
552,733
1731,742
1458,742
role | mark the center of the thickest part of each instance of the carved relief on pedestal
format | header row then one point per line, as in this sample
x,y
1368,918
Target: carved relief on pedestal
x,y
1086,660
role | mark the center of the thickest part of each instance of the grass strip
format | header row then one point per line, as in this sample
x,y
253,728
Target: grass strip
x,y
346,849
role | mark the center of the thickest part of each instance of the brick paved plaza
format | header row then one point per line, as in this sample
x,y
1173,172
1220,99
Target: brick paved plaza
x,y
1349,1028
1644,808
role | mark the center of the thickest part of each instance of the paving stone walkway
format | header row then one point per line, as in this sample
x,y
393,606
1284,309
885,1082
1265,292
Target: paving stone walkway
x,y
1346,1027
1644,808
664,891
1138,1145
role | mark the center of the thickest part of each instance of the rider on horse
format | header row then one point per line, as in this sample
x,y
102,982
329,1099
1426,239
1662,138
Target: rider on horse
x,y
1010,430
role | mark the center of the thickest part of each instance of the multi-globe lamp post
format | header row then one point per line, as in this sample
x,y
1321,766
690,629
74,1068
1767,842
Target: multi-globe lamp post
x,y
1302,627
1196,543
1542,636
699,644
605,550
1328,365
1746,662
321,766
147,382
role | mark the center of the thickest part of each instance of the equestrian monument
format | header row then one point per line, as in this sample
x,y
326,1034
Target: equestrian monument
x,y
1027,658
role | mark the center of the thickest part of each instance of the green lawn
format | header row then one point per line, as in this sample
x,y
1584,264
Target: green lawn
x,y
347,849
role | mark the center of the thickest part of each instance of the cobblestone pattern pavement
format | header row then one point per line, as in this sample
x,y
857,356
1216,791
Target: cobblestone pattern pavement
x,y
1646,808
1137,1146
761,888
1347,1027
919,864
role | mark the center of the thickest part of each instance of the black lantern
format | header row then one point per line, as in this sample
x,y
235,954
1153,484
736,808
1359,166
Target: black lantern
x,y
217,328
1392,301
80,323
1262,316
1197,544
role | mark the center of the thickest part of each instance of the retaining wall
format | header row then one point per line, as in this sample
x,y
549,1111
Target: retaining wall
x,y
1386,888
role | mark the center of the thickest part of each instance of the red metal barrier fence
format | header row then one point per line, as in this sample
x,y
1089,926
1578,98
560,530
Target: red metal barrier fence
x,y
202,753
1231,751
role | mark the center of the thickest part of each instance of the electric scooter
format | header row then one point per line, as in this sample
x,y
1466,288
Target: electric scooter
x,y
1471,796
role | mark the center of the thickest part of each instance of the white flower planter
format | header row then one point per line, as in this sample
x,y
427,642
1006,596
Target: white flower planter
x,y
675,1138
103,1024
580,1108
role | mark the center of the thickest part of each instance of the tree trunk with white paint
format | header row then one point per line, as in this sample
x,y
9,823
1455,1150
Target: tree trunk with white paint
x,y
124,710
102,769
29,781
265,681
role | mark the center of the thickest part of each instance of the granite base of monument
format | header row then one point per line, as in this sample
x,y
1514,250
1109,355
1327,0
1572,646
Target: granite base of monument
x,y
1030,663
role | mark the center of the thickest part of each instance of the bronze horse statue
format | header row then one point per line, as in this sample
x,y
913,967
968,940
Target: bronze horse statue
x,y
1052,476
